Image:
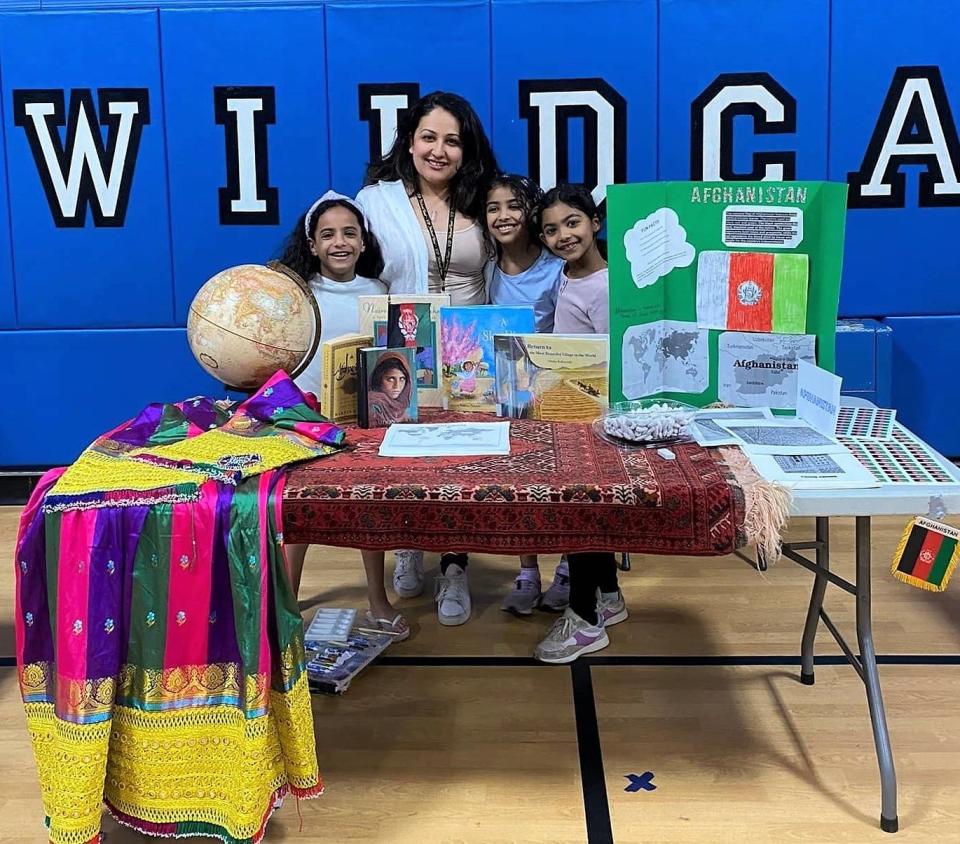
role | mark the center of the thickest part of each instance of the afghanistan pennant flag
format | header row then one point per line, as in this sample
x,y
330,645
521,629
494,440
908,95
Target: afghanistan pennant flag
x,y
927,554
752,291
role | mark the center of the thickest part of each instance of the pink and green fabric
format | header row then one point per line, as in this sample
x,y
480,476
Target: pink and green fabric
x,y
159,644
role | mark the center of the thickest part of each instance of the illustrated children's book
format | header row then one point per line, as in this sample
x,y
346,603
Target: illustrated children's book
x,y
554,377
374,318
466,348
338,386
410,325
388,390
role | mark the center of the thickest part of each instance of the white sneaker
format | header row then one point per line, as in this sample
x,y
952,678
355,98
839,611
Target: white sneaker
x,y
452,596
569,638
557,597
523,598
408,573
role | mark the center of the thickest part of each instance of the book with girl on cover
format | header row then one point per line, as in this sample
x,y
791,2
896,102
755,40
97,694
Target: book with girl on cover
x,y
388,391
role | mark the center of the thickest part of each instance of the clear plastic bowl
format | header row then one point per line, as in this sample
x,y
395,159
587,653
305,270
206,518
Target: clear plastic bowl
x,y
646,422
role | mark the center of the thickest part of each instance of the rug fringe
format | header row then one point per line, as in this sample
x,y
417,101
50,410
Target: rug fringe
x,y
767,505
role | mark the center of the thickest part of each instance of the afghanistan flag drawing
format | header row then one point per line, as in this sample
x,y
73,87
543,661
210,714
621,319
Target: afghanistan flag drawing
x,y
752,291
927,554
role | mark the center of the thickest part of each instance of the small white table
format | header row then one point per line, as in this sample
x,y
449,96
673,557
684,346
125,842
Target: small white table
x,y
861,504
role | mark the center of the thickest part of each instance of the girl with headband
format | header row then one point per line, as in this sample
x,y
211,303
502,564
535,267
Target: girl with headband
x,y
340,259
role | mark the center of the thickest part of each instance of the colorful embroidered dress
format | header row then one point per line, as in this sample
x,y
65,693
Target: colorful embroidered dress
x,y
159,645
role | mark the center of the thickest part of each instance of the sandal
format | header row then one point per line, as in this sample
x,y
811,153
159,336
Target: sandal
x,y
397,628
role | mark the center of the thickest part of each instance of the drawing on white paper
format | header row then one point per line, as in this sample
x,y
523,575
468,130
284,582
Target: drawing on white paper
x,y
666,356
816,464
713,268
446,439
656,245
780,435
707,432
427,435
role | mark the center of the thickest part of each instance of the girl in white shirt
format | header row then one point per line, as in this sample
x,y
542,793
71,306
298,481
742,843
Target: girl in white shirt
x,y
340,259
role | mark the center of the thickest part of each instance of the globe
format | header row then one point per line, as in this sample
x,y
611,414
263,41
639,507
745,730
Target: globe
x,y
249,321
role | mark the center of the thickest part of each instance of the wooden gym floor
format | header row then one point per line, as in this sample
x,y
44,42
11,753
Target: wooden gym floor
x,y
457,736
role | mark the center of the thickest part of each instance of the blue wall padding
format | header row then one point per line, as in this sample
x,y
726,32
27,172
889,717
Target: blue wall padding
x,y
88,277
926,358
899,261
87,302
67,387
439,45
627,62
783,38
250,48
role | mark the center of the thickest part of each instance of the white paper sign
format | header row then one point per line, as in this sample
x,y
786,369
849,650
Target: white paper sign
x,y
818,397
656,245
446,439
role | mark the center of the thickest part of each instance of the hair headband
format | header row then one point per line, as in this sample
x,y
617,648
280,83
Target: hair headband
x,y
327,197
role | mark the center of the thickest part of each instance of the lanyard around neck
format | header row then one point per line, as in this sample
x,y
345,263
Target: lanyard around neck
x,y
443,263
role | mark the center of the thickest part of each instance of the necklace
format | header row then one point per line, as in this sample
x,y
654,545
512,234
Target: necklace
x,y
443,263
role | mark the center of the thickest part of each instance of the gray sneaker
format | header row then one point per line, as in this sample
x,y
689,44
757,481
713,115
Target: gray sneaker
x,y
611,612
453,596
570,637
523,598
408,573
557,597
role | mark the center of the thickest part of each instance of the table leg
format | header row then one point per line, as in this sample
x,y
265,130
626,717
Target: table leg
x,y
871,679
816,601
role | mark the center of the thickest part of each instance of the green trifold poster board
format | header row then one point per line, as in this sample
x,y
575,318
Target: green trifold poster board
x,y
718,289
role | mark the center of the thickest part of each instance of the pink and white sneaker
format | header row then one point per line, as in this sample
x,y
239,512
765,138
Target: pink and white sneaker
x,y
569,638
611,610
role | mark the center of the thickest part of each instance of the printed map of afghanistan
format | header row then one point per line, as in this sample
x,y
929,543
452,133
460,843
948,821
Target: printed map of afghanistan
x,y
772,369
760,370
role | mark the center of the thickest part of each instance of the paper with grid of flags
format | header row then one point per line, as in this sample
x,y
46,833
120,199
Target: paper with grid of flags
x,y
753,291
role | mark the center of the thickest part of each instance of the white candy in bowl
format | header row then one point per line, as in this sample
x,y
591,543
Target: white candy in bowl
x,y
650,421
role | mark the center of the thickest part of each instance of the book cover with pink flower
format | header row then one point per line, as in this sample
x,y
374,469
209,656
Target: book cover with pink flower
x,y
466,351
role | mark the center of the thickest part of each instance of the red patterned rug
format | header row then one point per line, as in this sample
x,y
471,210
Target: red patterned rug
x,y
561,489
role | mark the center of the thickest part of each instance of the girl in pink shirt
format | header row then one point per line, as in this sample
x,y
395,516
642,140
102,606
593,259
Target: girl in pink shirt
x,y
568,222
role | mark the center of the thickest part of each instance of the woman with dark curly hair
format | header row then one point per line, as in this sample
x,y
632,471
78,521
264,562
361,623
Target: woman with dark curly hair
x,y
425,202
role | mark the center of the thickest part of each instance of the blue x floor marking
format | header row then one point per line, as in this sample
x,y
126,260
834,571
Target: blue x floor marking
x,y
640,782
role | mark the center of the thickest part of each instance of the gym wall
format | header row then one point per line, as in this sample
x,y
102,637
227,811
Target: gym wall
x,y
148,145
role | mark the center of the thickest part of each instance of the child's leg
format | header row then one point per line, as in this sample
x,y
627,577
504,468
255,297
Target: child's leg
x,y
586,569
524,597
380,608
448,558
557,596
610,606
607,575
453,590
294,555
